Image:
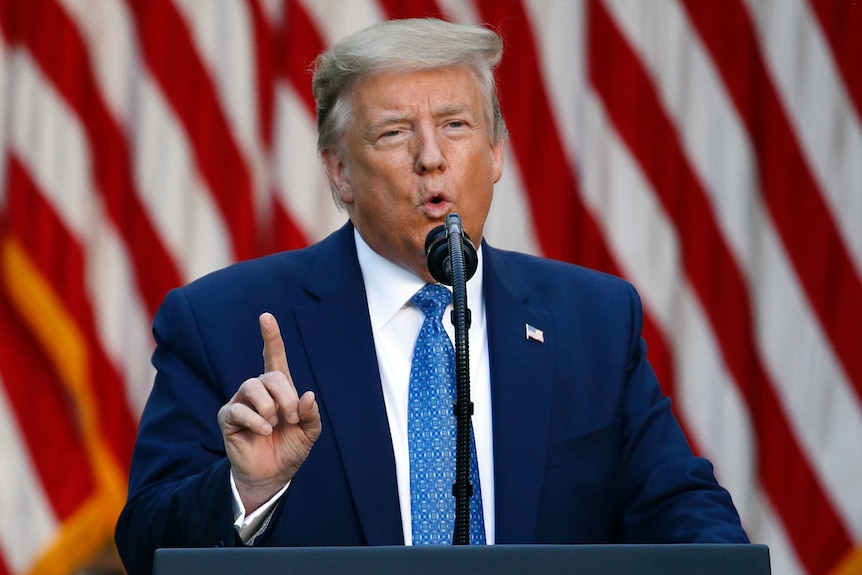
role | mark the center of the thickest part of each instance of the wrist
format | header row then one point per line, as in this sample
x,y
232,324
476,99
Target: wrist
x,y
253,494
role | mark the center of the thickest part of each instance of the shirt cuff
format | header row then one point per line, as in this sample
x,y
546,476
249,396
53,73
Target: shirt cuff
x,y
249,527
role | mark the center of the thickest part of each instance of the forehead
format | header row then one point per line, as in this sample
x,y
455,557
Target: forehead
x,y
417,91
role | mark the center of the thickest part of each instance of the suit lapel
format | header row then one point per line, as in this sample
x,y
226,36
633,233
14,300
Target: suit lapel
x,y
521,390
336,331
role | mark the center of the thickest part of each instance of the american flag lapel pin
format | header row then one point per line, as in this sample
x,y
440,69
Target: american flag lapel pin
x,y
535,333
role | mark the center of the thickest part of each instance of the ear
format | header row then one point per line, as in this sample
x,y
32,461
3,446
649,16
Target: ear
x,y
497,160
336,171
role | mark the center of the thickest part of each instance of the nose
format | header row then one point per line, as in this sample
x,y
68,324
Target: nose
x,y
430,156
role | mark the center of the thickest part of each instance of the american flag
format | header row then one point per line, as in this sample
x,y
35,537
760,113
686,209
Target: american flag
x,y
710,151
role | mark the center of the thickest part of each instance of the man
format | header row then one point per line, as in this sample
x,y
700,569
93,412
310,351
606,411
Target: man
x,y
574,441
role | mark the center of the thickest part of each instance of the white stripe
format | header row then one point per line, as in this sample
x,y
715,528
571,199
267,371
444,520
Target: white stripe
x,y
460,11
302,186
5,89
559,27
122,321
794,348
273,10
782,555
223,34
29,523
819,109
509,224
111,38
223,37
336,19
183,210
52,144
715,412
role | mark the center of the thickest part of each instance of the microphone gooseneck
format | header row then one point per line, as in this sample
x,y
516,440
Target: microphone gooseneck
x,y
452,260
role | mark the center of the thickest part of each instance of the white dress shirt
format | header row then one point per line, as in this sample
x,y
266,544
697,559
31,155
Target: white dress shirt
x,y
395,325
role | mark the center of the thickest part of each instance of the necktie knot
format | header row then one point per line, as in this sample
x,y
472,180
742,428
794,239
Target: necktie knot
x,y
432,299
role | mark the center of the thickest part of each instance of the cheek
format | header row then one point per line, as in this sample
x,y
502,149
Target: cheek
x,y
475,209
480,191
385,175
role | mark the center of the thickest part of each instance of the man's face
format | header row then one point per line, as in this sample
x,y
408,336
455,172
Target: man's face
x,y
416,149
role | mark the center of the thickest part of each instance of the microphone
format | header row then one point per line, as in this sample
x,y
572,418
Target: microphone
x,y
438,254
452,260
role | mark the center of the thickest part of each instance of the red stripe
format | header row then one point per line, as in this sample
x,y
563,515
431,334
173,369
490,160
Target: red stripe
x,y
8,13
35,226
265,54
397,9
300,44
187,85
816,249
54,42
616,74
841,22
287,235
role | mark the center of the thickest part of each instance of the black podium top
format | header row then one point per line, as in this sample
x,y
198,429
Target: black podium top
x,y
470,560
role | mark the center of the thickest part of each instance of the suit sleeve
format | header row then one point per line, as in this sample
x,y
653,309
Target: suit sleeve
x,y
179,487
667,494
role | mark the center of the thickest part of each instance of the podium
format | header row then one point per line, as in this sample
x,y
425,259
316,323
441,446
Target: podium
x,y
688,559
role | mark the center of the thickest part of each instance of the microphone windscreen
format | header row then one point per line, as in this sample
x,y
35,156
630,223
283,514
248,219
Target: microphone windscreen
x,y
439,260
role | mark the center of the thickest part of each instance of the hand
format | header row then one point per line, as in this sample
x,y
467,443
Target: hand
x,y
268,430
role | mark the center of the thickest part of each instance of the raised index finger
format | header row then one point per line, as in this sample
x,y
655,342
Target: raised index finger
x,y
274,356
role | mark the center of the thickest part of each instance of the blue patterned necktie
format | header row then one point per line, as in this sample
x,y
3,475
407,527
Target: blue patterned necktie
x,y
431,430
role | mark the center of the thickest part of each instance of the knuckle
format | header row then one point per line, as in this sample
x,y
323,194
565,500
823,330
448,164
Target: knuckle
x,y
235,411
249,386
275,378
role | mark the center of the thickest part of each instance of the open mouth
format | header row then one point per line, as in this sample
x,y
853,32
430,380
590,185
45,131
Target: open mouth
x,y
437,205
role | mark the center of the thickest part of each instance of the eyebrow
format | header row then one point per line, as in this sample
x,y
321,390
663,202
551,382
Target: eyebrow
x,y
386,121
396,118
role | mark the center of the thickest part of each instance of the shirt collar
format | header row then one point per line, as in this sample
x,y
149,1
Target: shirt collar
x,y
389,287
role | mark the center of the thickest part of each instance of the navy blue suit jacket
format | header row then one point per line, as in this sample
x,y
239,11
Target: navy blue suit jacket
x,y
586,449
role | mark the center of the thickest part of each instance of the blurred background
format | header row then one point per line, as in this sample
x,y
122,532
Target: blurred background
x,y
708,150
